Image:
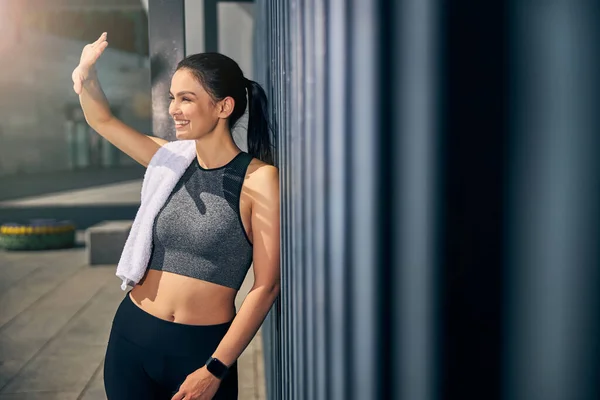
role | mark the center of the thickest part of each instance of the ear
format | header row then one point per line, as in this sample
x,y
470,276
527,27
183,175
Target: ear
x,y
225,107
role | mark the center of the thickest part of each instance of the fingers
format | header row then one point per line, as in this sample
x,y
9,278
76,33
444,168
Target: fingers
x,y
178,396
100,48
101,39
77,85
97,51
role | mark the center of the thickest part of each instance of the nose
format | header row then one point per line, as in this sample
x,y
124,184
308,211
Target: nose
x,y
174,109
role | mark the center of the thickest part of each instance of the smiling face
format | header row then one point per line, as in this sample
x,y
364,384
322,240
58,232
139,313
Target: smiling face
x,y
195,113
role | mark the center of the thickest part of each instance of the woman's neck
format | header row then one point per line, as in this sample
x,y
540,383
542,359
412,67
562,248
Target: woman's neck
x,y
216,149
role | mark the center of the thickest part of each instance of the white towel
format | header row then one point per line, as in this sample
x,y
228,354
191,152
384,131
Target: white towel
x,y
166,167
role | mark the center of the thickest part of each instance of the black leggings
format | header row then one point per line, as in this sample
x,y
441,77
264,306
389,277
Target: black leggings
x,y
149,358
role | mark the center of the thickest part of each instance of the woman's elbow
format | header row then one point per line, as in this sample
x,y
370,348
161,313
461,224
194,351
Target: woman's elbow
x,y
270,290
275,288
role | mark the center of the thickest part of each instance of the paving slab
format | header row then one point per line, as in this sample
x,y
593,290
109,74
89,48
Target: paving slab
x,y
95,388
50,319
41,396
251,369
16,266
56,373
47,315
30,284
260,385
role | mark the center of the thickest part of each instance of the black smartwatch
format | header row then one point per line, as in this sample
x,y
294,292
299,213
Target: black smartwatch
x,y
216,367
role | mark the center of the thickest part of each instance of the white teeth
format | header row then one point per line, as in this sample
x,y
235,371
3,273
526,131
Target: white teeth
x,y
181,122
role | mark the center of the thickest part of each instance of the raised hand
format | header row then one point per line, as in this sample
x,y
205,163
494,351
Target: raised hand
x,y
89,56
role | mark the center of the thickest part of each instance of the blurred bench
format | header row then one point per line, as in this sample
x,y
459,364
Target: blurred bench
x,y
104,242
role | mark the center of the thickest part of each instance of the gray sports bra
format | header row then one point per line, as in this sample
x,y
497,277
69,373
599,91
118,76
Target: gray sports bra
x,y
199,231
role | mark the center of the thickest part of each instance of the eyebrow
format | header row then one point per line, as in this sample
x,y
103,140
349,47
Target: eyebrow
x,y
182,93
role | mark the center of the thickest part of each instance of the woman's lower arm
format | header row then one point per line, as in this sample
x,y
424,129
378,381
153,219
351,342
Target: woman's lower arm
x,y
248,320
93,101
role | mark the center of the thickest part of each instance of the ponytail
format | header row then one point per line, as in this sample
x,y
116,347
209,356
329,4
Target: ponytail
x,y
259,129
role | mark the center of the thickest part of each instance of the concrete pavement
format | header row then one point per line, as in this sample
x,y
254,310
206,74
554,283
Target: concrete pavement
x,y
55,315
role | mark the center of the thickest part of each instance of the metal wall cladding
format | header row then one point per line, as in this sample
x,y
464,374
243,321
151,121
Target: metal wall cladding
x,y
328,70
440,198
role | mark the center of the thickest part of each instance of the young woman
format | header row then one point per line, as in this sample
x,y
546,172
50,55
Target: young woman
x,y
176,334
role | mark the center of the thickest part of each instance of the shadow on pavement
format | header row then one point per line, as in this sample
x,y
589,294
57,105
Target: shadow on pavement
x,y
26,185
82,216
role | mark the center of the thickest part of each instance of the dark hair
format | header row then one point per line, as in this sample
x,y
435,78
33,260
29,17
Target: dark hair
x,y
222,77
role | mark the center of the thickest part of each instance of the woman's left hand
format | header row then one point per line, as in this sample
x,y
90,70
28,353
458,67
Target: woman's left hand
x,y
199,385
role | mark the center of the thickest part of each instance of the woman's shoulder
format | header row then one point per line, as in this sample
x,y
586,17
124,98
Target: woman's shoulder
x,y
262,177
260,170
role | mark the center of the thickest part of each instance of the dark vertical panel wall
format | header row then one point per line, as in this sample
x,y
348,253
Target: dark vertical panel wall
x,y
166,30
328,69
336,258
416,58
271,59
553,316
439,198
473,160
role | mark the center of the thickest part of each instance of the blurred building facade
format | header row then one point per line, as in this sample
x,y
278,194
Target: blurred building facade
x,y
41,46
41,126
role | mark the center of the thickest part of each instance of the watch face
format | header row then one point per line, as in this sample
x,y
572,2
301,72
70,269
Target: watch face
x,y
216,367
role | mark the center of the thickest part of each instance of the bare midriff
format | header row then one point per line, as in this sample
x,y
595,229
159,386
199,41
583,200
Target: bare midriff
x,y
184,300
